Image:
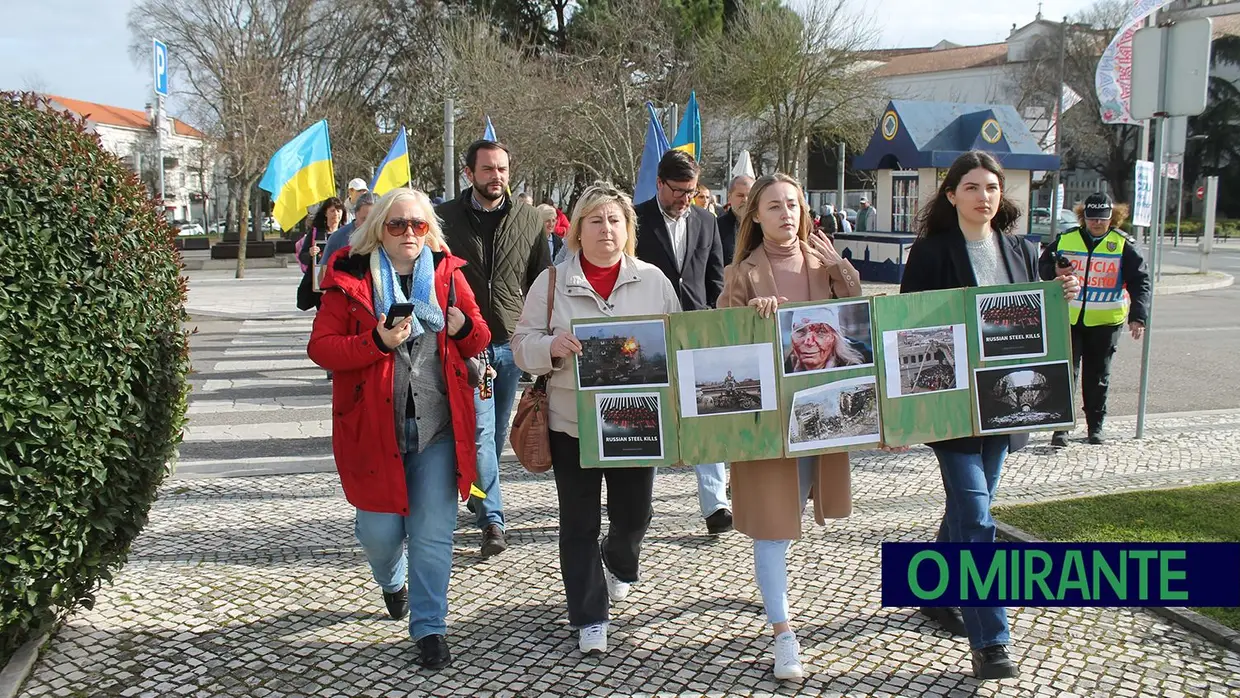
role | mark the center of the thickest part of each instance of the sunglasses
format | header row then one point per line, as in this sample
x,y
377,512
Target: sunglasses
x,y
398,226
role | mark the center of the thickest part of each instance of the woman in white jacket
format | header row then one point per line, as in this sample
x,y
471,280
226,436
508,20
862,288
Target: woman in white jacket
x,y
600,278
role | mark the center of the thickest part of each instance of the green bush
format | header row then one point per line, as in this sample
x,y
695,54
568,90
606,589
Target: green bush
x,y
93,360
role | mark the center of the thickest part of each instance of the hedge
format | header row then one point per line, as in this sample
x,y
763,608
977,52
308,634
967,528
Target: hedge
x,y
93,360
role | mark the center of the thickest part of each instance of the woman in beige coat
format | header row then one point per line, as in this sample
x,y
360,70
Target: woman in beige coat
x,y
600,278
778,259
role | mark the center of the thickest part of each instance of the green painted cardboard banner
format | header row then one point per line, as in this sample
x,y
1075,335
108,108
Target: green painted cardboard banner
x,y
1020,347
923,379
727,385
722,419
828,391
626,401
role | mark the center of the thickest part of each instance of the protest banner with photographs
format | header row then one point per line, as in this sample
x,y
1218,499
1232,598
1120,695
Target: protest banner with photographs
x,y
923,367
727,387
827,387
626,400
1020,345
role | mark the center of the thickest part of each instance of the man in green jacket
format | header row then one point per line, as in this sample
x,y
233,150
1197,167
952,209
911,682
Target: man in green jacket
x,y
501,240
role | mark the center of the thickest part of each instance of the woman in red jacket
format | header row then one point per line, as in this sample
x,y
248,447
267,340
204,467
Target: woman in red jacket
x,y
402,406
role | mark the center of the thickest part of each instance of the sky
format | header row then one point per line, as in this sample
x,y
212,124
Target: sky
x,y
80,48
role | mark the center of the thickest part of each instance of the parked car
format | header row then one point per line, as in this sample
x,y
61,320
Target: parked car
x,y
269,224
219,227
1040,222
189,230
851,215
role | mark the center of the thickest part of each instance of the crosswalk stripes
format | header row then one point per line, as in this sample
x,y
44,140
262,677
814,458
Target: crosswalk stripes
x,y
258,404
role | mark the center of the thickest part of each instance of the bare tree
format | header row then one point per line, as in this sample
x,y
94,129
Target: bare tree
x,y
263,69
798,75
1085,141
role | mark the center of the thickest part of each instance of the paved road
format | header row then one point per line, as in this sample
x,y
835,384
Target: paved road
x,y
1186,255
244,372
254,586
1196,344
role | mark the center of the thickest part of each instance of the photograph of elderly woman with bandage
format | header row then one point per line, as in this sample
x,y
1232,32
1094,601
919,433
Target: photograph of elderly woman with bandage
x,y
824,337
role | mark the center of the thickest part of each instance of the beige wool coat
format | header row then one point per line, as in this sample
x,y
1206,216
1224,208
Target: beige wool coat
x,y
766,493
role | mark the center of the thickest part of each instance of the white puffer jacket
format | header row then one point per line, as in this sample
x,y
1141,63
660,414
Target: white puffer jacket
x,y
641,289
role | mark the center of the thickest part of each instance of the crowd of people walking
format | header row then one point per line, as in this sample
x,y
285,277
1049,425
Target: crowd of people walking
x,y
429,314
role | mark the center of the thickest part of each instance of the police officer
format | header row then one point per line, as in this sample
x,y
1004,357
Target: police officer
x,y
1107,263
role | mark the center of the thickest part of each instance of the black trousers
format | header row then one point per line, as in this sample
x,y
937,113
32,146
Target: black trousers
x,y
1092,349
628,514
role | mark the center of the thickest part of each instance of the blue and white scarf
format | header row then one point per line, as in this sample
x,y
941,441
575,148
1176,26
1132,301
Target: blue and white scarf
x,y
388,290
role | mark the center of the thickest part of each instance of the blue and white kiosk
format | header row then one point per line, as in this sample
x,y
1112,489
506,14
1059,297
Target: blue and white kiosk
x,y
911,150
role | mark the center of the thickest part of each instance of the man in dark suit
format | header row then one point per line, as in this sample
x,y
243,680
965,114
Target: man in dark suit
x,y
729,222
682,240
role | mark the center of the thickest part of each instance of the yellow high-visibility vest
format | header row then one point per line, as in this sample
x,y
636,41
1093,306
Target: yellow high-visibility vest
x,y
1100,272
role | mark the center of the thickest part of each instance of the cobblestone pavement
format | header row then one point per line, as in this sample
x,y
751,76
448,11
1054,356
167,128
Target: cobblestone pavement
x,y
254,586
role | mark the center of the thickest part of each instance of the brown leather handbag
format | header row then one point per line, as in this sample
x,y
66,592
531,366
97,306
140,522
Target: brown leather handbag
x,y
530,435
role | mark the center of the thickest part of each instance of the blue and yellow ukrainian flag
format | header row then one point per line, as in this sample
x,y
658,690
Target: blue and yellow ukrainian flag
x,y
646,185
689,135
488,134
300,175
393,172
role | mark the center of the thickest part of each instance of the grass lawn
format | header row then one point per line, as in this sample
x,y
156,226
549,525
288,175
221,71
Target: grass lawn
x,y
1203,514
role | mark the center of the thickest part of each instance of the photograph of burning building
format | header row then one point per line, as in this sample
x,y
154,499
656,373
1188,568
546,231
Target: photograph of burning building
x,y
622,355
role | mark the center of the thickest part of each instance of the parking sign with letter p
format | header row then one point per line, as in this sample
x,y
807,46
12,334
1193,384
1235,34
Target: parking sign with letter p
x,y
161,67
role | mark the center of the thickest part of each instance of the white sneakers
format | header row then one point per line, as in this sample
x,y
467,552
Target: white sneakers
x,y
616,589
788,657
592,639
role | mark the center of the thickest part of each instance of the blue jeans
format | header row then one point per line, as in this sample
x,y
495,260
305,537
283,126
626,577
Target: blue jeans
x,y
770,562
712,487
492,433
970,481
430,477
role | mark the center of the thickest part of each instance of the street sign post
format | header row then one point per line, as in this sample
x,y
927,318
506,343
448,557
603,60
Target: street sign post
x,y
160,57
161,67
1170,78
1181,49
1201,193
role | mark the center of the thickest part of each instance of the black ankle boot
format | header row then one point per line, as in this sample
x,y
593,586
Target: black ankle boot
x,y
994,663
433,652
397,603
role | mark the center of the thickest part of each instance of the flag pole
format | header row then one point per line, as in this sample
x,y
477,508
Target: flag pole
x,y
408,160
1053,230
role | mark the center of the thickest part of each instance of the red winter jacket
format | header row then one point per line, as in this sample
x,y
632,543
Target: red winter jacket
x,y
561,223
371,469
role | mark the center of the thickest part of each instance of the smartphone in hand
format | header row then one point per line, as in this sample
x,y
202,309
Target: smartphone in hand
x,y
398,312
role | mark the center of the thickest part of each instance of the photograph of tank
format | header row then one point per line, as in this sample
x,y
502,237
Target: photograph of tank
x,y
622,355
726,380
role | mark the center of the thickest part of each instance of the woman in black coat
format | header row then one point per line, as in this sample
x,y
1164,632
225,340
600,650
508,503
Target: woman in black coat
x,y
965,239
